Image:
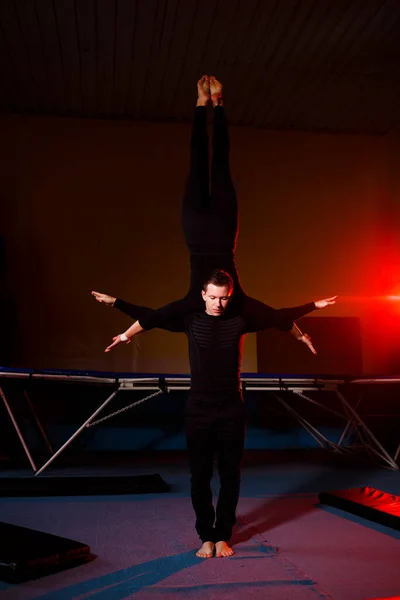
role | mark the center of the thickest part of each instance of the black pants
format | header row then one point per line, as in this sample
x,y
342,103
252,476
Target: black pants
x,y
210,216
215,433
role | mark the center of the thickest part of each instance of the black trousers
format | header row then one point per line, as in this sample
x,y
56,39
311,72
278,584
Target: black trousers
x,y
215,432
210,214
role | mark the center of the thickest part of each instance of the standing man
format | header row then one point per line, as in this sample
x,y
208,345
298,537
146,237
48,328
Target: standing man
x,y
215,414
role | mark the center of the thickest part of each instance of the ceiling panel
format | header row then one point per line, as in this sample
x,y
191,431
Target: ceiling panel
x,y
313,65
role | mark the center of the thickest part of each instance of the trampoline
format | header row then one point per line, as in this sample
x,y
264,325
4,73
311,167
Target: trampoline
x,y
348,392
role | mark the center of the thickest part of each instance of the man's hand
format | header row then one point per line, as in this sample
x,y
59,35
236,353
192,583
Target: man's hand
x,y
104,299
116,342
326,302
305,338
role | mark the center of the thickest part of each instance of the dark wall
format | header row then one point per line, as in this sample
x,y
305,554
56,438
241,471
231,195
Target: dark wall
x,y
96,205
339,344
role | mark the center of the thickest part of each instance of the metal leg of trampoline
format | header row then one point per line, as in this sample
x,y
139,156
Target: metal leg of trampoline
x,y
17,429
311,430
366,435
75,435
38,423
349,425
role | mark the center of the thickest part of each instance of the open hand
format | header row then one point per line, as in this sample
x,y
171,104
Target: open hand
x,y
326,302
104,298
305,338
116,342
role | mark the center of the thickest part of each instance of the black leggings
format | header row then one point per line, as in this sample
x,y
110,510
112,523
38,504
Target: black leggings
x,y
209,221
210,218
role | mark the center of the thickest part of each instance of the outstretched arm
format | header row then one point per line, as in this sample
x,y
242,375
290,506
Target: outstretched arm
x,y
150,318
134,329
124,338
261,316
134,311
166,317
304,337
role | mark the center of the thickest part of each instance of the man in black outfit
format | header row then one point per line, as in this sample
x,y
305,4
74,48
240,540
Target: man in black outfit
x,y
214,416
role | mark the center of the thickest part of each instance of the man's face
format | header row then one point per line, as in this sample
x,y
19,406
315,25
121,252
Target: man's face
x,y
216,299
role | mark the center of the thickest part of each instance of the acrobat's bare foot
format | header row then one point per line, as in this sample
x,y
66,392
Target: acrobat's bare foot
x,y
222,549
207,550
216,91
203,91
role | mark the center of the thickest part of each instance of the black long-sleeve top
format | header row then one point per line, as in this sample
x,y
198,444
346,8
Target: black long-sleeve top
x,y
215,342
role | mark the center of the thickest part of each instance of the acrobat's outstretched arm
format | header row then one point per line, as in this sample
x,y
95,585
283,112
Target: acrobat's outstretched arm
x,y
260,316
166,315
304,337
135,311
178,326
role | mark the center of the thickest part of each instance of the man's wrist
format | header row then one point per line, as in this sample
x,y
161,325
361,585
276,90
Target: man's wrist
x,y
297,332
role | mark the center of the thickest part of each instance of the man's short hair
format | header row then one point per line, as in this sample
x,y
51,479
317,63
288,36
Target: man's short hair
x,y
219,278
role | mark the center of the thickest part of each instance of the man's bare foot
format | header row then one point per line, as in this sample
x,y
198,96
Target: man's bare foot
x,y
203,91
216,91
222,549
207,550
